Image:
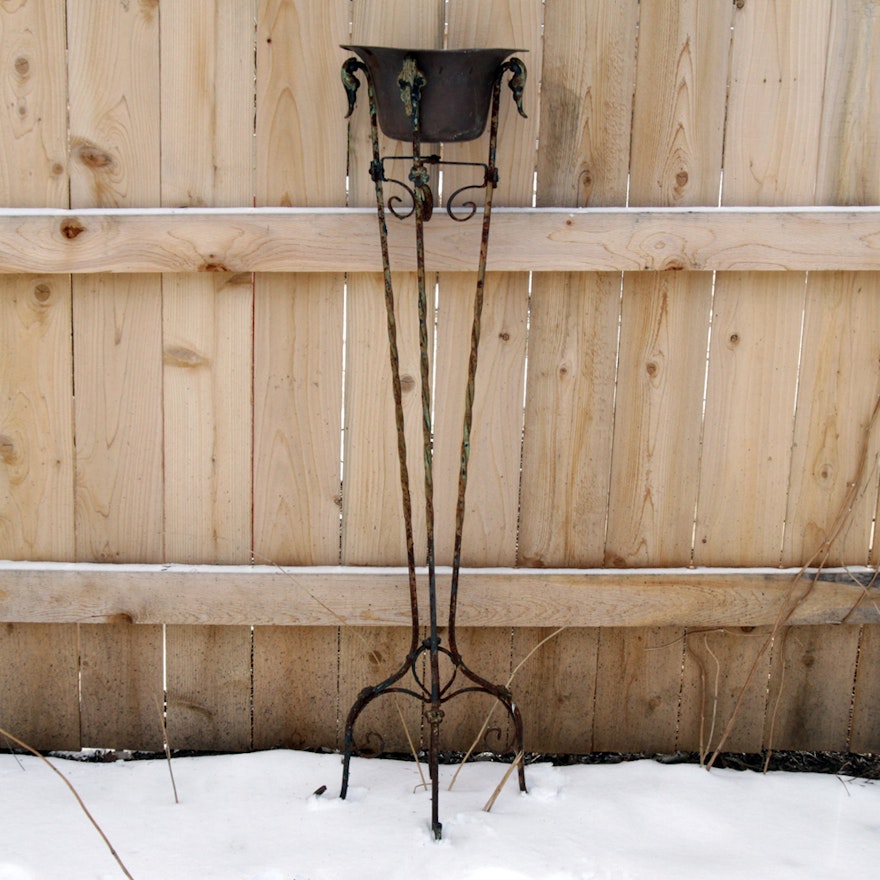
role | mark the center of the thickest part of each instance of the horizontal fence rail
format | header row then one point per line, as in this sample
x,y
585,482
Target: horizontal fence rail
x,y
357,596
345,240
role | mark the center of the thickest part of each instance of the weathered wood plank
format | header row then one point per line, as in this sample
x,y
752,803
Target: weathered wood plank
x,y
298,319
703,597
556,687
523,239
587,78
678,123
300,153
811,688
865,734
117,319
207,84
117,343
33,161
490,523
39,687
658,412
568,420
839,378
832,492
638,689
725,684
121,688
295,698
208,687
771,154
39,683
753,368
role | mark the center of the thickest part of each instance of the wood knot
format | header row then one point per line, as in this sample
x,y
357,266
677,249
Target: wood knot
x,y
585,187
681,179
407,383
94,157
734,339
22,67
213,267
72,228
504,336
42,293
652,369
7,449
179,356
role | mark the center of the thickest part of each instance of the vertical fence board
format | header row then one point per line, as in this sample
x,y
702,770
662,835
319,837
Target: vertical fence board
x,y
36,419
207,86
836,396
840,352
493,480
39,693
569,415
865,735
587,80
298,361
772,148
637,689
121,686
661,368
33,162
114,120
114,137
753,367
678,122
770,158
295,694
208,687
811,686
724,668
36,380
556,688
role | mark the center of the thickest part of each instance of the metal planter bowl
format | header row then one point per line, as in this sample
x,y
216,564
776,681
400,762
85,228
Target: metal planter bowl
x,y
455,98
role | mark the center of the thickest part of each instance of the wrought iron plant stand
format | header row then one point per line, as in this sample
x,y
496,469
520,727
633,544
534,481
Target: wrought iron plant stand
x,y
432,96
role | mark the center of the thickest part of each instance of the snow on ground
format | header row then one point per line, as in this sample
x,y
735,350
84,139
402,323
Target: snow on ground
x,y
255,817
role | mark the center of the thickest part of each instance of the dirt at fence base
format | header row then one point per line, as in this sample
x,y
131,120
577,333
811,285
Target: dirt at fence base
x,y
837,763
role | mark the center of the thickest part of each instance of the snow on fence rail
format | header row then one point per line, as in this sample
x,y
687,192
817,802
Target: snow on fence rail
x,y
629,422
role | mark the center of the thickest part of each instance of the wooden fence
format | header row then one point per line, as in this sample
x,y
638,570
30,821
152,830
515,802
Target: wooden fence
x,y
676,404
